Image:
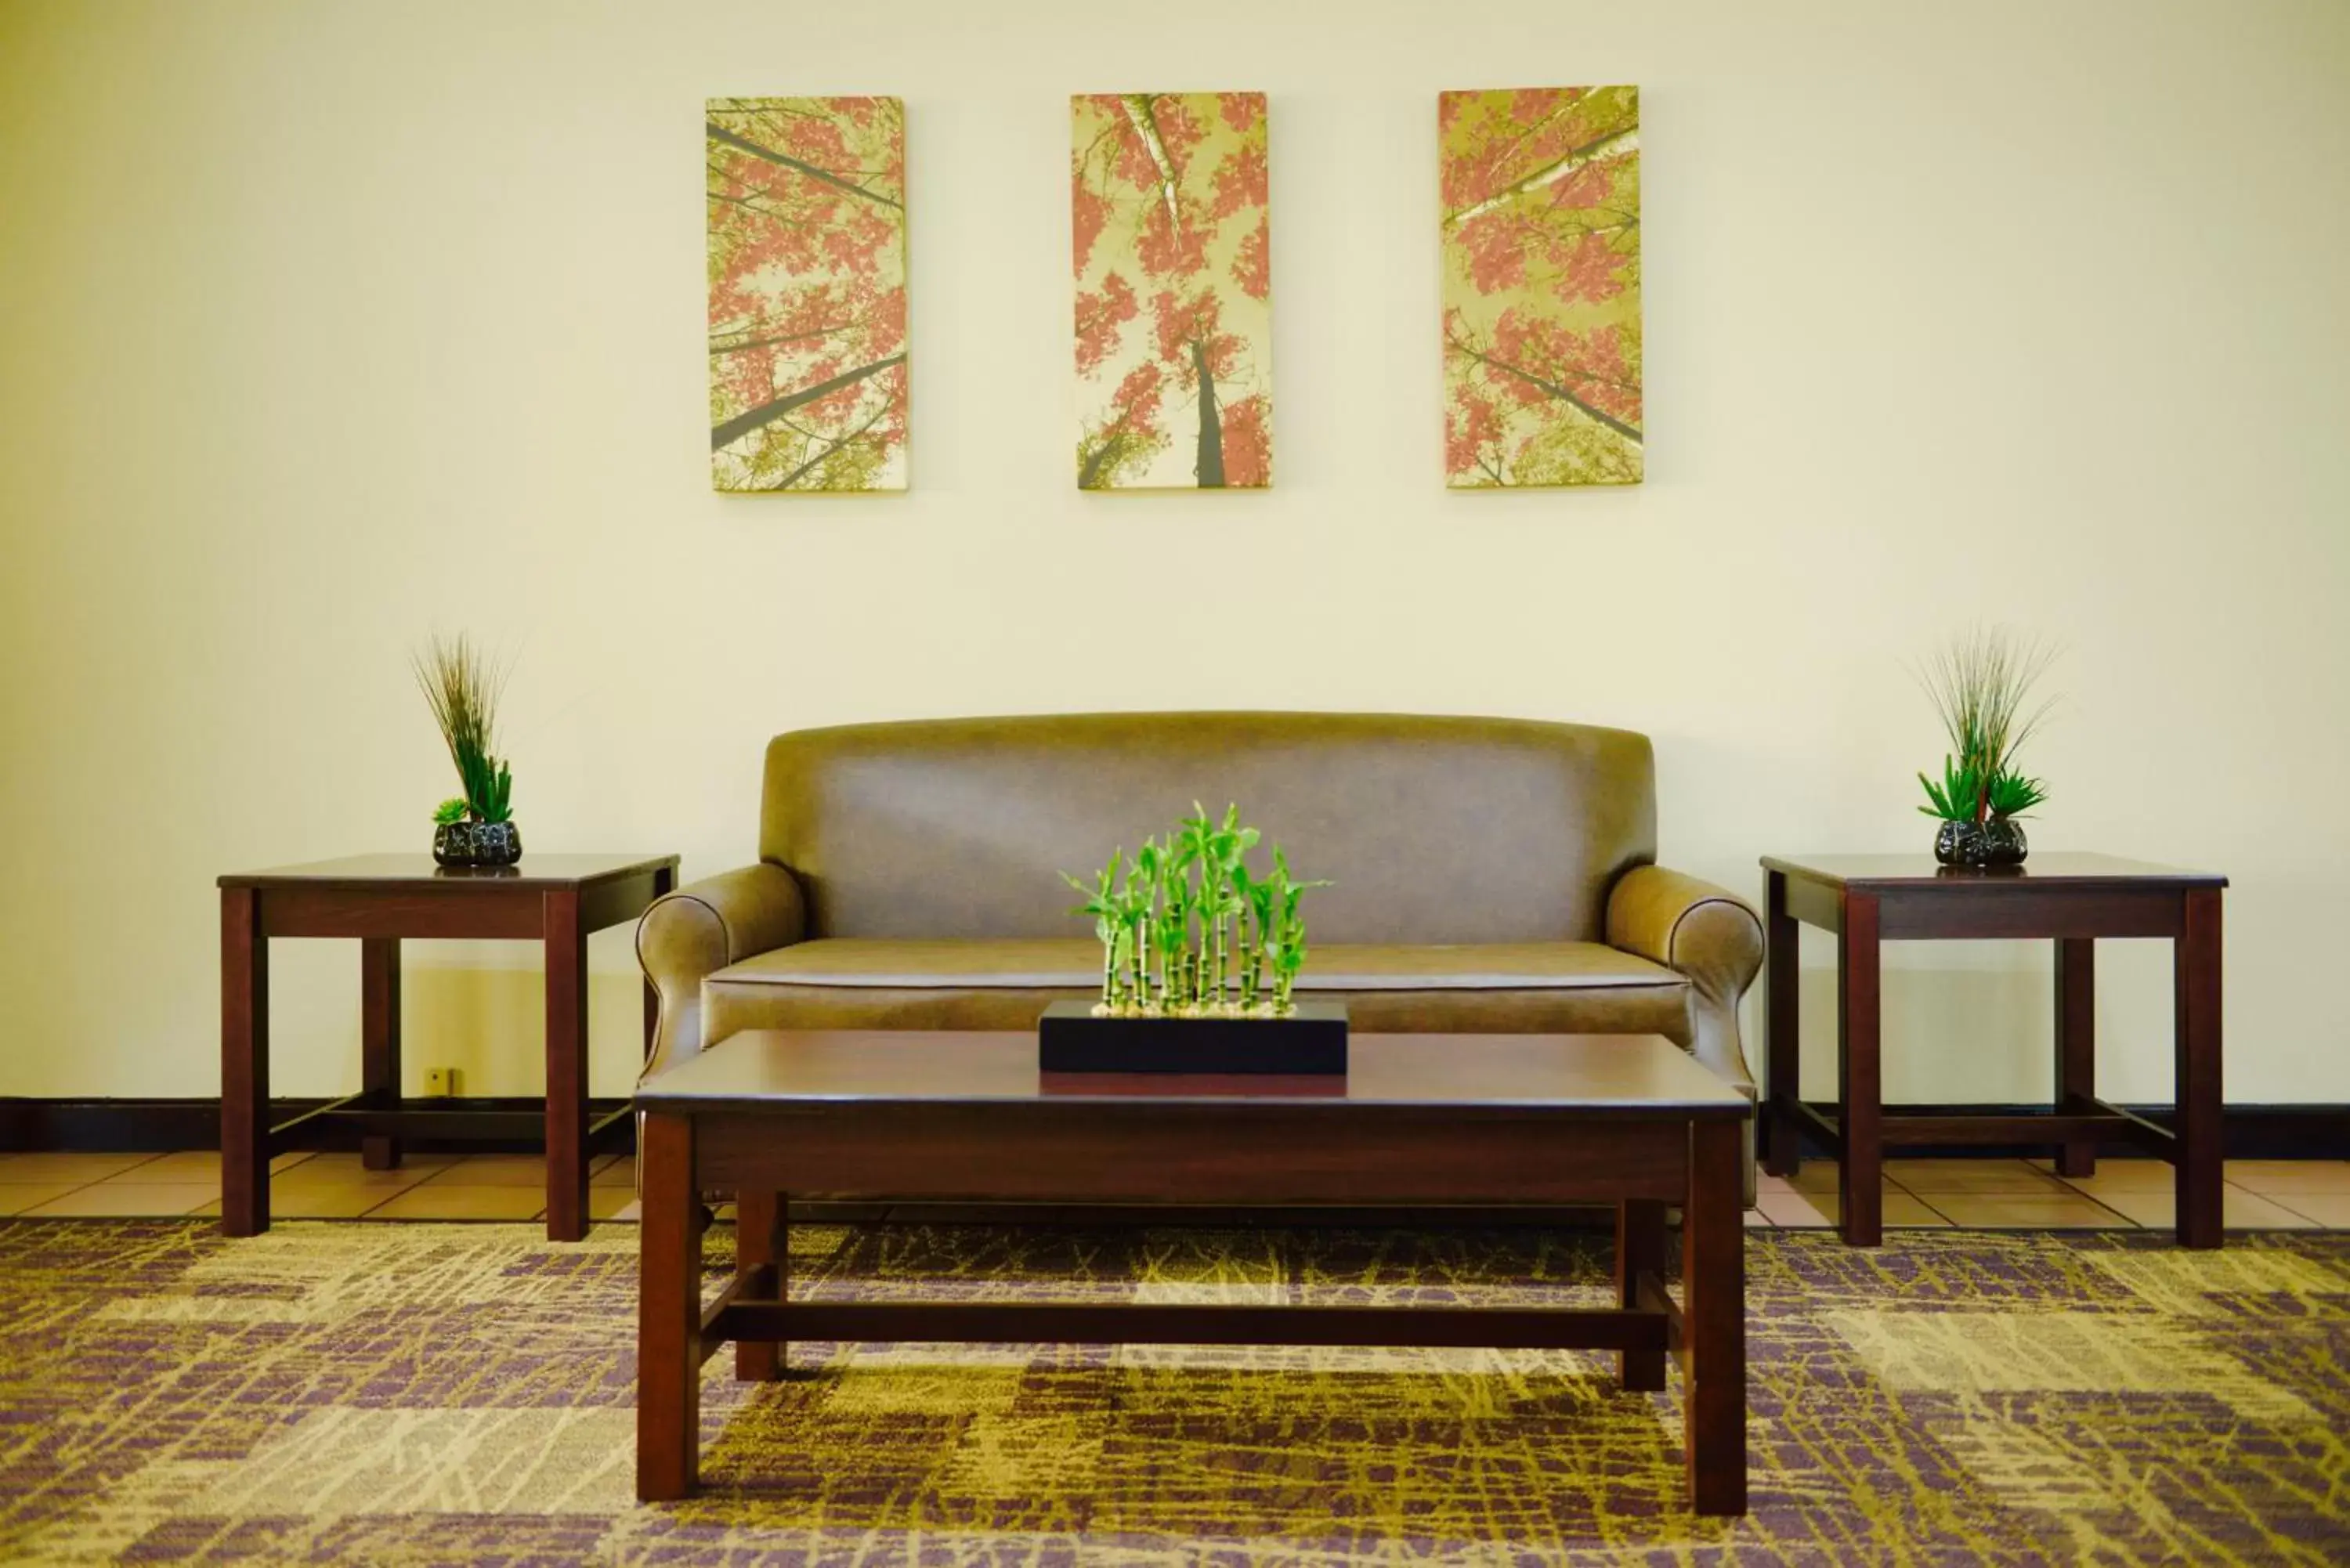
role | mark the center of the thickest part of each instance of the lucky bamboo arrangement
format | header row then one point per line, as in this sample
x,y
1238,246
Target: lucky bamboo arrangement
x,y
1188,930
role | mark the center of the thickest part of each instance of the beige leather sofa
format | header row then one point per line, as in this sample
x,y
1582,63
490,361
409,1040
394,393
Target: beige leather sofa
x,y
1492,876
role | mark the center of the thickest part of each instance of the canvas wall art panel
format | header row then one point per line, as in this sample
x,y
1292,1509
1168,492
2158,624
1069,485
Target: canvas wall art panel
x,y
1171,234
1540,192
807,200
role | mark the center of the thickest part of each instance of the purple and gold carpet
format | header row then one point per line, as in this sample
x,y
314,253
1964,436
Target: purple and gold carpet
x,y
422,1394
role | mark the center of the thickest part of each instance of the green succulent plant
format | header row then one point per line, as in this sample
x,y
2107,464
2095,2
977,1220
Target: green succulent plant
x,y
450,810
2012,795
1189,929
1956,798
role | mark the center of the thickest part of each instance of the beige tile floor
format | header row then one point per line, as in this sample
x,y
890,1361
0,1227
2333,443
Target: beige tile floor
x,y
303,1187
2008,1194
2028,1195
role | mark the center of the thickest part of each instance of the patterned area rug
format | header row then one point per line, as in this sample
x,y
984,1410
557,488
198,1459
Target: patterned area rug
x,y
412,1393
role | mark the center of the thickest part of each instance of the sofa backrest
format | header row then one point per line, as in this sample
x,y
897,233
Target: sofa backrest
x,y
1433,829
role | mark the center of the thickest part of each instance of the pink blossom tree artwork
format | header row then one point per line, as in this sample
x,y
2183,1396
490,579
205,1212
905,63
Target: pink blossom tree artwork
x,y
807,213
1540,194
1171,234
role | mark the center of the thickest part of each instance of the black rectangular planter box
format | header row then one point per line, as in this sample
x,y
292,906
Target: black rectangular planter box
x,y
1310,1041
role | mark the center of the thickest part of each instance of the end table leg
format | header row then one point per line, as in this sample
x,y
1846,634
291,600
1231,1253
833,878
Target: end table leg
x,y
244,1064
1860,1181
1639,1250
379,1042
762,1262
567,1067
1781,1043
1713,1292
2076,1045
669,1315
2195,965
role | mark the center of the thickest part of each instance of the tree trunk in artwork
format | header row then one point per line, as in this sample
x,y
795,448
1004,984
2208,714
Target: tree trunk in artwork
x,y
1621,144
1145,125
726,138
1629,433
735,429
1210,464
1089,476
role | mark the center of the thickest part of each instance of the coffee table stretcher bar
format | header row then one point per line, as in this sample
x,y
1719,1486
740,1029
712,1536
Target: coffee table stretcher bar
x,y
1539,1119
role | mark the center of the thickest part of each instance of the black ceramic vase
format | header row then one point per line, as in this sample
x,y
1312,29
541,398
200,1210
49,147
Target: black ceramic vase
x,y
453,843
496,844
476,843
2003,843
1959,844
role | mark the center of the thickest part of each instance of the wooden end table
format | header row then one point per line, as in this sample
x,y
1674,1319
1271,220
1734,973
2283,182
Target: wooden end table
x,y
1493,1119
2070,899
556,899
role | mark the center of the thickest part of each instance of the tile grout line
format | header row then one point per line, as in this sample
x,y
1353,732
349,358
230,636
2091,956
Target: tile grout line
x,y
44,1203
2115,1213
2281,1201
2286,1204
427,1180
131,1173
73,1188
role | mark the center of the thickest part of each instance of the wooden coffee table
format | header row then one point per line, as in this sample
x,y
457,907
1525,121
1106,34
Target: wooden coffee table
x,y
1475,1119
554,900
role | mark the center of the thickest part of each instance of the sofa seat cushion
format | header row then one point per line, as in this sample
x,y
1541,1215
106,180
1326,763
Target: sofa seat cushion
x,y
866,983
935,963
1484,966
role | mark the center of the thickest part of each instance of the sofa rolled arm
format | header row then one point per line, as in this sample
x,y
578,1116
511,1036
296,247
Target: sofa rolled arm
x,y
694,933
1705,932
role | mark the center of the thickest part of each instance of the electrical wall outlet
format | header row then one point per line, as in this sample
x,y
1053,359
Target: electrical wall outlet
x,y
440,1082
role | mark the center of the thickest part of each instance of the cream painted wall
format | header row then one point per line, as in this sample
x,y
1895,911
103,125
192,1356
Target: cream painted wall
x,y
325,324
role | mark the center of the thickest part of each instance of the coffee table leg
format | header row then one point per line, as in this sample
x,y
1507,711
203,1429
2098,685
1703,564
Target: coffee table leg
x,y
669,1313
1860,1181
1639,1250
244,1064
2195,965
762,1264
567,1067
1781,1043
379,1042
2076,1045
1713,1295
